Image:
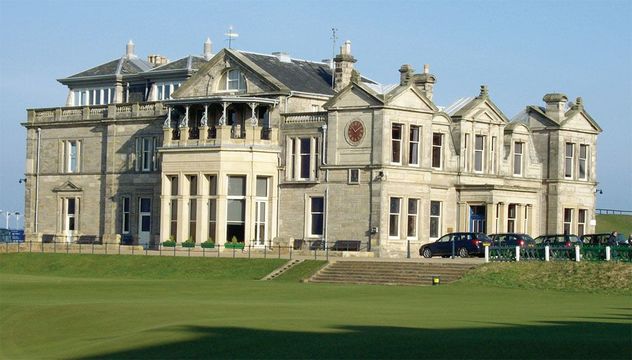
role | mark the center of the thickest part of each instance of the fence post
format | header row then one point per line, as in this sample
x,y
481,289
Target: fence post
x,y
486,253
159,249
546,253
30,246
517,253
264,251
106,247
407,249
577,255
607,253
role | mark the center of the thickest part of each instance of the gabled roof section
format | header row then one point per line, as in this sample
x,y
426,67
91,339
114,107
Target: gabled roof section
x,y
67,186
409,96
476,108
296,75
355,94
577,115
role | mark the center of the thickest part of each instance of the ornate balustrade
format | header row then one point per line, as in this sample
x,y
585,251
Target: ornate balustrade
x,y
301,118
95,112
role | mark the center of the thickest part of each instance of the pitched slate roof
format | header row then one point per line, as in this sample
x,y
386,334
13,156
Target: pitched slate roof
x,y
297,75
122,66
188,63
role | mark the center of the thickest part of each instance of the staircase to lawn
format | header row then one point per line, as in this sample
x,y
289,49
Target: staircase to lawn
x,y
389,272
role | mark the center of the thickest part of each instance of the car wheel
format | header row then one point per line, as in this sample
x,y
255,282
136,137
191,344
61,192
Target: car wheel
x,y
463,252
427,253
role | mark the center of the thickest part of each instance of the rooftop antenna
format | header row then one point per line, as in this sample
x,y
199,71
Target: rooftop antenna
x,y
334,38
231,35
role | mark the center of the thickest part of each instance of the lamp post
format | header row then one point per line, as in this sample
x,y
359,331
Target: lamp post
x,y
17,219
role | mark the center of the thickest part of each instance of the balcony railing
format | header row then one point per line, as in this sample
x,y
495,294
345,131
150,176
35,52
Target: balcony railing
x,y
95,112
301,118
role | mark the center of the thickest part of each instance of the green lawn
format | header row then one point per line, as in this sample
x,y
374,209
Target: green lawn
x,y
159,316
609,223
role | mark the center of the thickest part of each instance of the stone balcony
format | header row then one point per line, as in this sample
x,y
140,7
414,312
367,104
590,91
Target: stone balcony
x,y
219,135
95,113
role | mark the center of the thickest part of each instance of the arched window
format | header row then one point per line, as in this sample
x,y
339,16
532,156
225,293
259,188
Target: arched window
x,y
235,80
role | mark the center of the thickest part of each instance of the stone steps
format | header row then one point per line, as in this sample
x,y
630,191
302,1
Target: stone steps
x,y
389,273
288,265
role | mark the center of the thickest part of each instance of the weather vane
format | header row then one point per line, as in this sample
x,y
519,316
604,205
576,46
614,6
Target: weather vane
x,y
231,35
334,38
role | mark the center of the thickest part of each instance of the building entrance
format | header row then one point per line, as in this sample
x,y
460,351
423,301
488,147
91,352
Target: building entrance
x,y
478,221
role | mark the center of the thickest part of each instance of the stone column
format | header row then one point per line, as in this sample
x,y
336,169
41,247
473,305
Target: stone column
x,y
183,211
463,217
204,125
502,217
165,210
184,127
490,218
166,129
519,218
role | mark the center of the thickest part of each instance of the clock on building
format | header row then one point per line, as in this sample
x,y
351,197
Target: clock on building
x,y
355,132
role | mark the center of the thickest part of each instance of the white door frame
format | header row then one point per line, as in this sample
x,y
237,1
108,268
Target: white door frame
x,y
144,236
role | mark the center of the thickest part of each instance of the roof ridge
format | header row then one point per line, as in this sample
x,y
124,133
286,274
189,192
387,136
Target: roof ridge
x,y
274,56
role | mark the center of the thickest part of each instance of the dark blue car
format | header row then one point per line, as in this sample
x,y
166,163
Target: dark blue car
x,y
465,244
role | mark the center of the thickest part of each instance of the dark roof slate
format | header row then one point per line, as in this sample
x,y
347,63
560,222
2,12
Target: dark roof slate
x,y
122,66
186,63
297,75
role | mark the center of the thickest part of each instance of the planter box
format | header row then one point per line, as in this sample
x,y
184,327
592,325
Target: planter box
x,y
207,246
234,246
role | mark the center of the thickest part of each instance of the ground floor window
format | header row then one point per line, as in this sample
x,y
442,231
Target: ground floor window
x,y
125,215
393,219
411,229
511,218
568,221
435,219
581,222
173,228
316,216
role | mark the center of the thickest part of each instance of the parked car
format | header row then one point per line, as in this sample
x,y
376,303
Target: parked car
x,y
567,240
512,239
465,244
602,239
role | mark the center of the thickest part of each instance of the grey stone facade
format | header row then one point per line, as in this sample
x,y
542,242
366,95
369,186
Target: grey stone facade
x,y
266,149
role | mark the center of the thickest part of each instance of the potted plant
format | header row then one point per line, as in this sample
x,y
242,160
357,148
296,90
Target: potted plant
x,y
169,243
234,244
189,243
208,244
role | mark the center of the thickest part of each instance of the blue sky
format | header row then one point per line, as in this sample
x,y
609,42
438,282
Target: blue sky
x,y
520,49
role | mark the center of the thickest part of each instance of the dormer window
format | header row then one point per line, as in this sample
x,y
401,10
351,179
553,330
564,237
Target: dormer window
x,y
235,80
94,96
165,89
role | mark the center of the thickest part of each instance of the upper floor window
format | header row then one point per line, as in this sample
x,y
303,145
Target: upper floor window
x,y
569,160
164,90
479,150
146,153
517,165
413,148
235,80
95,96
583,162
396,143
71,149
437,147
303,161
493,155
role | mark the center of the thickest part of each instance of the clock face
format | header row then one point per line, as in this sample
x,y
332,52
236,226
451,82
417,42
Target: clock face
x,y
355,131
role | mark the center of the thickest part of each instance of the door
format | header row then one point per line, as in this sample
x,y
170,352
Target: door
x,y
478,222
260,223
70,218
144,221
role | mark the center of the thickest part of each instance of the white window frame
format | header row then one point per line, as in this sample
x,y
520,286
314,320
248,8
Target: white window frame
x,y
569,160
439,148
581,223
479,153
512,218
396,143
518,158
71,156
353,176
582,161
435,216
146,153
413,156
93,96
212,205
311,213
297,157
493,155
397,215
466,152
567,221
237,84
414,216
165,89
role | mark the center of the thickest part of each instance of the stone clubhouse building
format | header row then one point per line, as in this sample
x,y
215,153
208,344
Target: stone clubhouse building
x,y
266,149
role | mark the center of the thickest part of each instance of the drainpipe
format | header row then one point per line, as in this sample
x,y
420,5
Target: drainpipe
x,y
37,170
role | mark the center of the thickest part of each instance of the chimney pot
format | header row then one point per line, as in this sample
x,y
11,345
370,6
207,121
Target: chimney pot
x,y
129,50
426,69
208,49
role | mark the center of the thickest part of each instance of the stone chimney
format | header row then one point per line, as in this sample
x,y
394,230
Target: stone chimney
x,y
425,82
208,49
129,50
282,56
484,94
578,105
555,103
343,67
406,72
157,60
